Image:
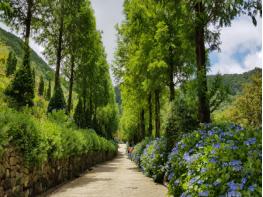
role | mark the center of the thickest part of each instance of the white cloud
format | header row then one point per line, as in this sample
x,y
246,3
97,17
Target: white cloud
x,y
242,39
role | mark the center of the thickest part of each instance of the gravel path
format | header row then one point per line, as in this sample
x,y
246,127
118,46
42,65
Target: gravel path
x,y
117,178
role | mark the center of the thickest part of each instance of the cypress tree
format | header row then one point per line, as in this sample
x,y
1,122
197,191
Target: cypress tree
x,y
21,88
11,64
41,86
48,93
57,102
78,114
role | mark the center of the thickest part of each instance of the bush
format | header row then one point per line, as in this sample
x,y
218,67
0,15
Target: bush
x,y
138,150
41,139
153,159
220,160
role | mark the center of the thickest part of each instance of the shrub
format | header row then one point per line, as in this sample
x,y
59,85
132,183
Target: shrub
x,y
216,161
153,159
138,150
40,139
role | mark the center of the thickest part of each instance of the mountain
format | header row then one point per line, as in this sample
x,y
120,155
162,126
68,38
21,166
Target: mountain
x,y
10,42
236,81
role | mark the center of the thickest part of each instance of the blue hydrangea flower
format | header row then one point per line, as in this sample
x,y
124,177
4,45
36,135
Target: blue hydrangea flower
x,y
233,194
176,182
200,181
232,186
216,145
204,193
244,180
250,141
251,188
171,175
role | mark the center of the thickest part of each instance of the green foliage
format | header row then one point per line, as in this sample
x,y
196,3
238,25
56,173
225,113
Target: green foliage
x,y
216,161
21,88
153,159
234,82
41,86
57,101
246,107
181,117
218,93
11,64
47,138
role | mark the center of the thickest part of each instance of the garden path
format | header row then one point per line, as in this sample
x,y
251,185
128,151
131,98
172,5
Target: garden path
x,y
116,178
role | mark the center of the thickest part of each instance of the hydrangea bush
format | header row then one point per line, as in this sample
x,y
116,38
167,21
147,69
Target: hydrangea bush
x,y
138,150
153,159
220,160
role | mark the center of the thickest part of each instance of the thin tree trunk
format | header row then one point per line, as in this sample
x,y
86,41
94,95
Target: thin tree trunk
x,y
150,128
204,111
59,50
171,81
26,60
157,113
71,82
142,124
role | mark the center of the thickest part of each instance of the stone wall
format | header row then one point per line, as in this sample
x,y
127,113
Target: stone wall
x,y
17,180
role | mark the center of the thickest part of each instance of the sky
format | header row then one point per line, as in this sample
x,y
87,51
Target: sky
x,y
241,48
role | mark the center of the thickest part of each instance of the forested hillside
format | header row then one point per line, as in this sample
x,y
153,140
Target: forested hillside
x,y
236,81
10,42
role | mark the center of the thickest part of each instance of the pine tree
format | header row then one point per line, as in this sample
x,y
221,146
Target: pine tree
x,y
34,76
57,102
41,86
48,93
22,87
11,64
78,114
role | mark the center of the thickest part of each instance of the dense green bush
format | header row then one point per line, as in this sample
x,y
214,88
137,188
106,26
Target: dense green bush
x,y
41,138
138,150
153,159
220,160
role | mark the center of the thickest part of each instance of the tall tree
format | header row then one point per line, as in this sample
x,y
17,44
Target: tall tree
x,y
11,64
219,13
48,93
21,12
41,86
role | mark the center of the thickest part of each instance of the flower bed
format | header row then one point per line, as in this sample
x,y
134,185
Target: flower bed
x,y
216,160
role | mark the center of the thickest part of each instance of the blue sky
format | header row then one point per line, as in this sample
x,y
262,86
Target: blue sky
x,y
241,48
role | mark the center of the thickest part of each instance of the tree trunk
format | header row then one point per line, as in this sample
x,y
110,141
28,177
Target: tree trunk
x,y
150,128
204,111
71,81
59,50
26,60
142,124
171,81
157,113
